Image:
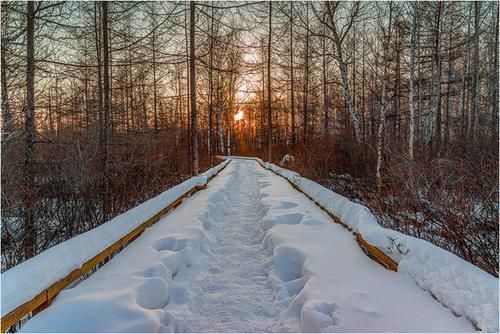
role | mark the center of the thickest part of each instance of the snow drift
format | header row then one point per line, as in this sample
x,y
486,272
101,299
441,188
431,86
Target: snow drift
x,y
456,283
24,281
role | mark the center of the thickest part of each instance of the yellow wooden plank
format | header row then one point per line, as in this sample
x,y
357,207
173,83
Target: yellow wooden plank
x,y
376,254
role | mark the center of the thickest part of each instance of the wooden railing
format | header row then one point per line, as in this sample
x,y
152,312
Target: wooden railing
x,y
45,297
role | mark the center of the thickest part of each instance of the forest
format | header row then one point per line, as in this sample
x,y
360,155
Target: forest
x,y
391,104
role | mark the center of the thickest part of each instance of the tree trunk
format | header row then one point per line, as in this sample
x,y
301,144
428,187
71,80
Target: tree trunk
x,y
110,126
155,109
363,90
131,125
465,120
142,86
411,140
419,90
269,102
439,66
99,71
435,111
306,77
220,130
325,82
262,94
445,136
188,88
383,102
6,112
106,104
397,97
210,88
343,71
476,82
51,118
494,79
192,81
29,153
292,82
180,124
86,83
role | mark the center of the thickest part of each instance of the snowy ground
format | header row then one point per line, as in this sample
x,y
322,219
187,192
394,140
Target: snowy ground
x,y
248,254
29,278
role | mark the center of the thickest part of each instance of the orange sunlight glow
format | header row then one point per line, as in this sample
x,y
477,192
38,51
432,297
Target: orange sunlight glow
x,y
239,115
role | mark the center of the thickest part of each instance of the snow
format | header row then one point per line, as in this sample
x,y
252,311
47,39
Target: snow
x,y
248,254
24,281
287,158
456,283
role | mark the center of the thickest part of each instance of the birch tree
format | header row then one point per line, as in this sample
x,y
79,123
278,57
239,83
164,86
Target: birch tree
x,y
386,33
339,35
411,140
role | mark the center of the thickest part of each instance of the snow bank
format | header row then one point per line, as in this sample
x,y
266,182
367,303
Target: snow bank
x,y
130,292
287,158
24,281
456,283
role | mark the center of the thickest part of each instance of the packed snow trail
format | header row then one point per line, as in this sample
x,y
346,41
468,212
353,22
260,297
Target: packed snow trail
x,y
232,295
248,254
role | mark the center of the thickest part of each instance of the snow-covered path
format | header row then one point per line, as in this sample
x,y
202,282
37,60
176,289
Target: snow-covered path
x,y
232,295
248,254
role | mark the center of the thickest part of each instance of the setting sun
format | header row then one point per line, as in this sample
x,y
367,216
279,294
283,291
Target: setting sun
x,y
239,115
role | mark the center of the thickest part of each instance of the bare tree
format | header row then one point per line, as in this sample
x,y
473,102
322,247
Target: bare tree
x,y
105,112
292,81
269,88
306,78
476,90
383,99
29,153
411,139
339,35
192,81
495,76
325,81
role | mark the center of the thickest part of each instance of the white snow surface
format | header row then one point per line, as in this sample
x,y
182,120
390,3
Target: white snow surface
x,y
458,284
287,158
248,254
24,281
